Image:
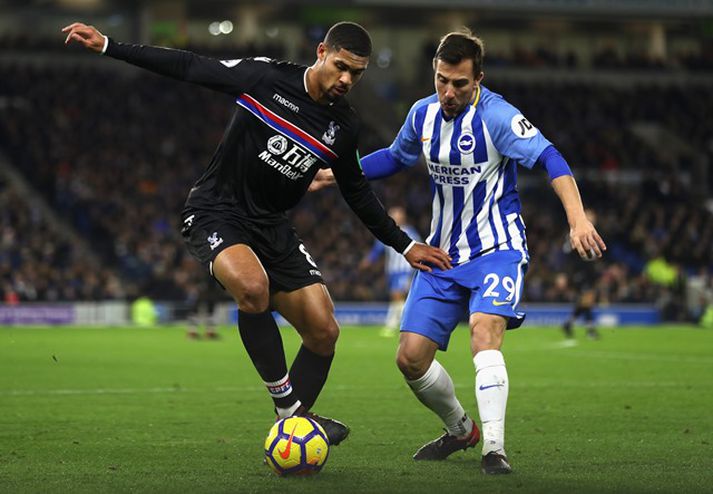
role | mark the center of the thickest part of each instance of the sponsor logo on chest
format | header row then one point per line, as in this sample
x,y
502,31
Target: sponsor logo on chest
x,y
286,157
453,175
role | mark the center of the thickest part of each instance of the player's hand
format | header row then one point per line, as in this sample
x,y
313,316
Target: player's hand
x,y
324,178
421,255
586,241
87,36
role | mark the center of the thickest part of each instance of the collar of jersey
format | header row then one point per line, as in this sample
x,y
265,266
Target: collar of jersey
x,y
304,81
477,96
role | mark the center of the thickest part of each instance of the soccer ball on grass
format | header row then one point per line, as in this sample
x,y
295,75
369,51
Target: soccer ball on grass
x,y
296,446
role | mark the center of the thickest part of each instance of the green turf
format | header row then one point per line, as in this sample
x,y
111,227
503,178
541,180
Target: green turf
x,y
130,410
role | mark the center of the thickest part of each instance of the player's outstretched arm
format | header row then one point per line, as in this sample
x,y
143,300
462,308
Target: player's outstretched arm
x,y
87,36
583,237
228,76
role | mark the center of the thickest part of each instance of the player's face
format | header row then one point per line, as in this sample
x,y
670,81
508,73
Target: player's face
x,y
455,85
338,71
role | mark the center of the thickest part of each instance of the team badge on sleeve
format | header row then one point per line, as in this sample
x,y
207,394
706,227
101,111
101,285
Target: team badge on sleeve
x,y
522,128
231,63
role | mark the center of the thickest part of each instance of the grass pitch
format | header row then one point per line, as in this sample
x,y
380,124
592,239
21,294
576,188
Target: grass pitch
x,y
146,410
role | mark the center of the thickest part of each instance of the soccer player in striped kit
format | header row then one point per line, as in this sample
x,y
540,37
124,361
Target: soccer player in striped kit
x,y
398,273
472,141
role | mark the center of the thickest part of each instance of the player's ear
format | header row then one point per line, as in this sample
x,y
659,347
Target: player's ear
x,y
479,78
321,51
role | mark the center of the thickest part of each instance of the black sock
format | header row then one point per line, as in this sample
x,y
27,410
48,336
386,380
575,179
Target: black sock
x,y
309,373
262,340
567,327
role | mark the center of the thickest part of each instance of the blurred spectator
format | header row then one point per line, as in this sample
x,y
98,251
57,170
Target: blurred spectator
x,y
37,265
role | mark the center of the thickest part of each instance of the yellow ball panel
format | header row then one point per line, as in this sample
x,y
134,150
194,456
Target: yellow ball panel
x,y
317,450
272,435
300,426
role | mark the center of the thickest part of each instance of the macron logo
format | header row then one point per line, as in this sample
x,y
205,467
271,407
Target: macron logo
x,y
285,102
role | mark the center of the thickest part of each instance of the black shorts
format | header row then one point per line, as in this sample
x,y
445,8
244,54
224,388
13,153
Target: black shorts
x,y
281,252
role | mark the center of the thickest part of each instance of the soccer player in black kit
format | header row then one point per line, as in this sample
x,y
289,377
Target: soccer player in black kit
x,y
290,121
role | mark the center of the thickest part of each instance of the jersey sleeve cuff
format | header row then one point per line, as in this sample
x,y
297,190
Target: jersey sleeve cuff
x,y
552,161
408,248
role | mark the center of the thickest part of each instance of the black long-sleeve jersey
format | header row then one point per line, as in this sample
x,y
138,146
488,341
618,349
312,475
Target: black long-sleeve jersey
x,y
275,142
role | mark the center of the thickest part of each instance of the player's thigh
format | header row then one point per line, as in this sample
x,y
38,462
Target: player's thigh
x,y
310,310
221,244
239,270
486,331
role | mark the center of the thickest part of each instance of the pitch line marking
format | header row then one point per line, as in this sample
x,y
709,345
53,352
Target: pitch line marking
x,y
340,388
122,391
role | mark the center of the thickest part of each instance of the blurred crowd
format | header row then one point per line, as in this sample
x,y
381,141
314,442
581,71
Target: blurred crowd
x,y
607,57
37,264
114,155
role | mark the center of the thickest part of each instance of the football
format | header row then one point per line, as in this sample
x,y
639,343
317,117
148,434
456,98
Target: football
x,y
296,446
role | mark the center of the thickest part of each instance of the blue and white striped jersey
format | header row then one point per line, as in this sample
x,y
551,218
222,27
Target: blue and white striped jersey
x,y
394,263
472,162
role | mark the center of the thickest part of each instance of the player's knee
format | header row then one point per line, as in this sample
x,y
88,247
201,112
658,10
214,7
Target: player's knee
x,y
486,339
486,335
253,297
411,366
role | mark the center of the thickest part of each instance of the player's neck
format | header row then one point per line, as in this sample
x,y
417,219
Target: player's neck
x,y
312,87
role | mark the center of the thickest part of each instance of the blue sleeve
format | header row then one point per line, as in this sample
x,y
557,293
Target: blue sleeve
x,y
376,251
406,148
555,164
512,134
403,152
380,164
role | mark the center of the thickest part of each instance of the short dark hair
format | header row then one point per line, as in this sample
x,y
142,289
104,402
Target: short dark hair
x,y
349,36
459,45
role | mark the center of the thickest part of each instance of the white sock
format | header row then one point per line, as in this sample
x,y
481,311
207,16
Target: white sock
x,y
288,412
435,390
393,316
491,393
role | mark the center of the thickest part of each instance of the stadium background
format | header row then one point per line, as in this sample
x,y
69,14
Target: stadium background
x,y
96,158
